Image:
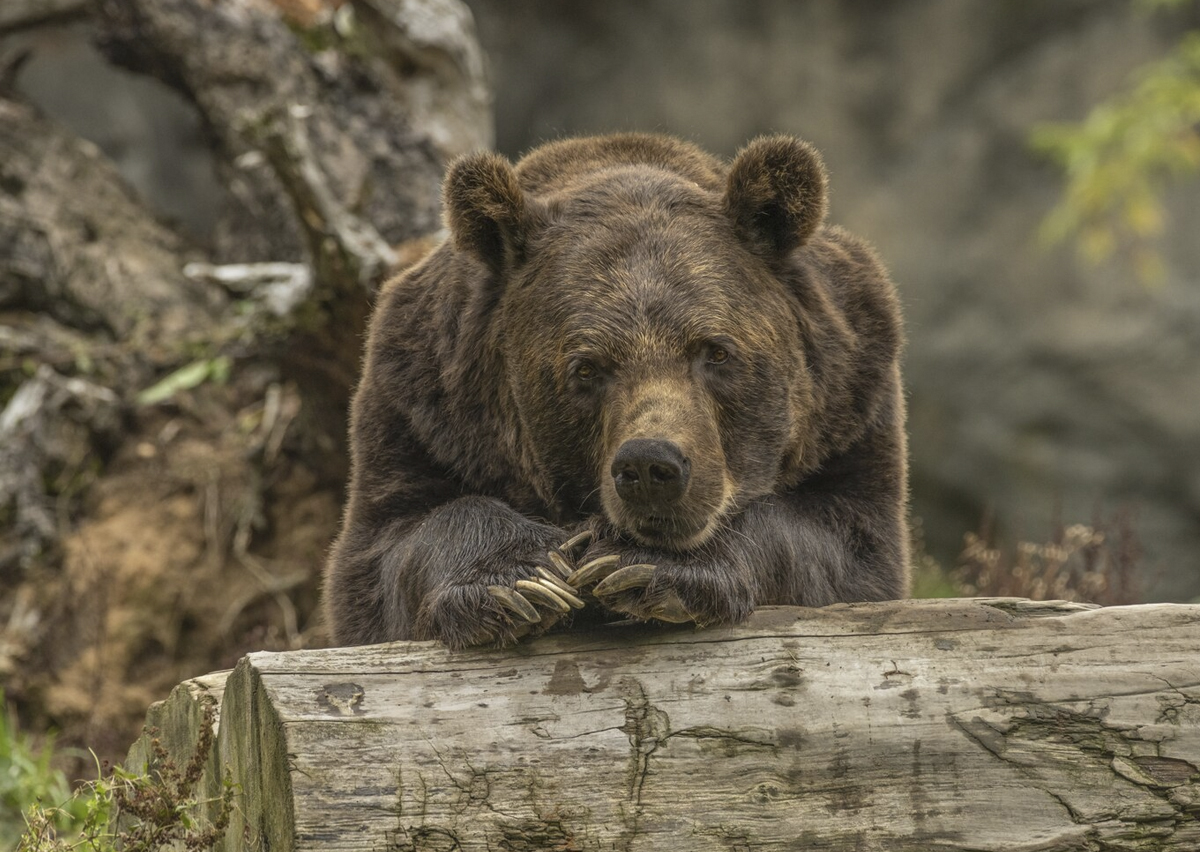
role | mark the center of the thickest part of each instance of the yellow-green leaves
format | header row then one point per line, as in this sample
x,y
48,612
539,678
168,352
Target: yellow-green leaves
x,y
185,378
1119,160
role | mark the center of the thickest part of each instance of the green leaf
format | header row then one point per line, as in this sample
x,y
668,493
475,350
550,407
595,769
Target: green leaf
x,y
1119,160
185,378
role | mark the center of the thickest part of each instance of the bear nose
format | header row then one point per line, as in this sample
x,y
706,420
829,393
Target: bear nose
x,y
650,472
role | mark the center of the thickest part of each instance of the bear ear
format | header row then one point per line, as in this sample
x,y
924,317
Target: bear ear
x,y
485,209
776,193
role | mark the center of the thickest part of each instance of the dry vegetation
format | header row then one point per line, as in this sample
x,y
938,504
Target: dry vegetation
x,y
145,810
1097,563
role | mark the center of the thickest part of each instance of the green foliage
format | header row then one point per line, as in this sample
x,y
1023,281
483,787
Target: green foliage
x,y
929,579
186,378
27,777
1119,160
151,811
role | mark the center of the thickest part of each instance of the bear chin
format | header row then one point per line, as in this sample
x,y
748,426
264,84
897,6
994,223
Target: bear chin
x,y
664,535
676,533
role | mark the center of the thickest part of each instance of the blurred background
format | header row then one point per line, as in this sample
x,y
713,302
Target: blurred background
x,y
1023,169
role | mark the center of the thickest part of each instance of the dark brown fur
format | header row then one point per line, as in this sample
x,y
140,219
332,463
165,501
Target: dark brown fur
x,y
578,305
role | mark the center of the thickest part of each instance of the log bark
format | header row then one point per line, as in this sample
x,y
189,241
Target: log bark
x,y
986,724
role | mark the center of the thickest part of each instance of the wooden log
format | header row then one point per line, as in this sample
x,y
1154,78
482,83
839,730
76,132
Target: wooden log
x,y
991,725
175,723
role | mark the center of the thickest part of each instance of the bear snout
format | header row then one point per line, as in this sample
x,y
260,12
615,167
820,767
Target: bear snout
x,y
650,474
665,484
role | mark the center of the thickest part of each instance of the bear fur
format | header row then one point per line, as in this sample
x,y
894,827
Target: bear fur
x,y
609,290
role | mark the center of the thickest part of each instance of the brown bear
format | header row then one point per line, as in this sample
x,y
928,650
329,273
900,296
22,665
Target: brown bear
x,y
634,379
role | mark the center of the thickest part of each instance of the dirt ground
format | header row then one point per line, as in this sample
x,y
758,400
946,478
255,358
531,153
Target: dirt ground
x,y
203,540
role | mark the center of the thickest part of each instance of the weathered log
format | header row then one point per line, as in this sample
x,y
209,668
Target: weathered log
x,y
989,724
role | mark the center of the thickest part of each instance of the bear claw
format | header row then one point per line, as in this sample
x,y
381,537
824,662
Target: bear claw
x,y
560,563
577,540
671,609
664,604
543,593
595,570
561,588
629,577
515,603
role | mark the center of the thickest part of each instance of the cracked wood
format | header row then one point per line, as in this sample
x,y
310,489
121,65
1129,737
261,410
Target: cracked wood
x,y
988,725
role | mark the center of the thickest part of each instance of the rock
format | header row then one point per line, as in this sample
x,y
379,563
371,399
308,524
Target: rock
x,y
172,410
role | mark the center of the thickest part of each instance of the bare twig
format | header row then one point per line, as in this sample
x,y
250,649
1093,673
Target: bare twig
x,y
281,287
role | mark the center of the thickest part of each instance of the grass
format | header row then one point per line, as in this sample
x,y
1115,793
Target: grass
x,y
28,778
152,810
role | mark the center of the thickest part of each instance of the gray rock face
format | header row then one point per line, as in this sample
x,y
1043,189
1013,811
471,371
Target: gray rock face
x,y
171,409
1039,386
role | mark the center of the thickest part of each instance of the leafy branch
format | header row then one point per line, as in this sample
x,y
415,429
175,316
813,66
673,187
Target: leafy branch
x,y
1120,159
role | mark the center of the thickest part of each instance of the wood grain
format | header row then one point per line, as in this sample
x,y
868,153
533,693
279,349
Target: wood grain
x,y
991,724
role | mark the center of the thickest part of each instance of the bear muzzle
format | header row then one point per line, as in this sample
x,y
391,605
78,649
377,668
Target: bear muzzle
x,y
650,474
658,501
665,483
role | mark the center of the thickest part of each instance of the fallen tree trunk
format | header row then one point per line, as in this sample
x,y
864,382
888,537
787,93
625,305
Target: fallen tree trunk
x,y
989,724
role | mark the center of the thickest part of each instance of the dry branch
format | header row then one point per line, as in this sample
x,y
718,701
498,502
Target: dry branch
x,y
347,252
990,724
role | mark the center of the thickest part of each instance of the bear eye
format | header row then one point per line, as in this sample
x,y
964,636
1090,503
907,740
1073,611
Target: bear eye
x,y
718,355
586,372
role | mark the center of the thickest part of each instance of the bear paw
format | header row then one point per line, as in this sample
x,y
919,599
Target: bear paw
x,y
666,590
529,601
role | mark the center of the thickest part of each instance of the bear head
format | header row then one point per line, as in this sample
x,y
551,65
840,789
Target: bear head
x,y
638,294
